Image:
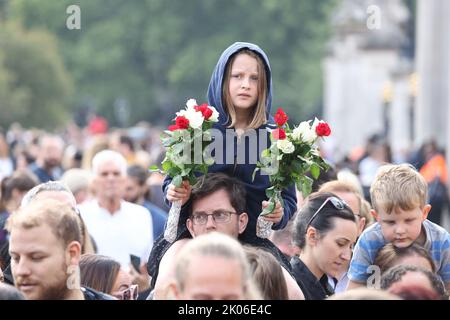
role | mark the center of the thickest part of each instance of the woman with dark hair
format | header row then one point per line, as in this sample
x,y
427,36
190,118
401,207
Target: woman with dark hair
x,y
104,274
325,230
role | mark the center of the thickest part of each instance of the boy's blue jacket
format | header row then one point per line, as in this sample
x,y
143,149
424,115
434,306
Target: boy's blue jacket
x,y
255,188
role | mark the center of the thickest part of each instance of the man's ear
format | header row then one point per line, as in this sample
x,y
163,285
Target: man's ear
x,y
190,227
374,215
243,221
362,224
73,253
172,292
425,211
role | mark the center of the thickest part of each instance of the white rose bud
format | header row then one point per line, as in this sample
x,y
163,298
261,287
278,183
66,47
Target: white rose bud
x,y
195,118
309,136
304,132
298,132
191,103
285,146
215,115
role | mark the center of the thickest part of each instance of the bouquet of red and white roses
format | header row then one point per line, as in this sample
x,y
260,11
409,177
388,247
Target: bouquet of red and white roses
x,y
185,143
292,154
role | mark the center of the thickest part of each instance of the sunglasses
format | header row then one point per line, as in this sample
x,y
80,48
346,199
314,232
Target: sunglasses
x,y
337,203
130,293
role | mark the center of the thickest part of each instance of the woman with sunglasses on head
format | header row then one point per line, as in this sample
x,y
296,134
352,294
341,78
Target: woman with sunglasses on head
x,y
325,230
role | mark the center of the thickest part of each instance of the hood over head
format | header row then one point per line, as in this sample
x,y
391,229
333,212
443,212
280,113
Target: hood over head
x,y
215,84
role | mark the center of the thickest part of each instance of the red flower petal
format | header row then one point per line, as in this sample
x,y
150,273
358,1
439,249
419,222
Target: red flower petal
x,y
323,129
182,122
279,134
280,117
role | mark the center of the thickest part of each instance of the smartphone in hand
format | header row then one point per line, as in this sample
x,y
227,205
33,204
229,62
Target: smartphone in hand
x,y
135,262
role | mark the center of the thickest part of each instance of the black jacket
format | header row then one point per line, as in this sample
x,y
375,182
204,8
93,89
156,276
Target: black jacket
x,y
312,288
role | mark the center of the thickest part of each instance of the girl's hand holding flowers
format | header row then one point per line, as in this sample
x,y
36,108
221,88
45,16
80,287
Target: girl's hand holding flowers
x,y
179,194
277,213
291,155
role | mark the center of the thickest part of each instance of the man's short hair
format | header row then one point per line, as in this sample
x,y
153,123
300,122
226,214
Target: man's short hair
x,y
59,216
46,186
139,173
398,186
213,182
106,155
213,244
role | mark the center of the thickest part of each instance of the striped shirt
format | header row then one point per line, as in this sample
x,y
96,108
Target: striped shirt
x,y
371,241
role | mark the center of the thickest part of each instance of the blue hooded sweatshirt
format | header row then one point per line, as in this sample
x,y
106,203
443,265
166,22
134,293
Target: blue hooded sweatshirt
x,y
255,188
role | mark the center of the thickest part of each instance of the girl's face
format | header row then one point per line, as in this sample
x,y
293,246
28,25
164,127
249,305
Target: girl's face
x,y
333,251
243,83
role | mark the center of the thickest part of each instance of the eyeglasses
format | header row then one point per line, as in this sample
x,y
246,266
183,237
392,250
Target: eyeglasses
x,y
219,216
337,203
130,293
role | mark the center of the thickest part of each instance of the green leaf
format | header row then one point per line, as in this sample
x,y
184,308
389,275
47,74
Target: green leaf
x,y
154,168
270,192
254,173
269,209
306,186
177,181
315,171
192,180
167,165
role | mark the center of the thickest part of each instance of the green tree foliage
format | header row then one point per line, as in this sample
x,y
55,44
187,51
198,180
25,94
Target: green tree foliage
x,y
154,54
34,85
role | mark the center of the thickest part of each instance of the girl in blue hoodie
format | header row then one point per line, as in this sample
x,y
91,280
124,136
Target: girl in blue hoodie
x,y
241,91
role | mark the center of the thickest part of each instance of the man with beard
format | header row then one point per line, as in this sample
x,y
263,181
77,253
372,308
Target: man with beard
x,y
45,249
48,163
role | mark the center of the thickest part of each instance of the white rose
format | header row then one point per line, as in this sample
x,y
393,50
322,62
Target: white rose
x,y
191,103
215,115
304,132
181,113
310,136
285,146
298,132
195,118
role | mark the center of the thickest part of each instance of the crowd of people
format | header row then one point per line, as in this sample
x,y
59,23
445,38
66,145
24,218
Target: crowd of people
x,y
82,218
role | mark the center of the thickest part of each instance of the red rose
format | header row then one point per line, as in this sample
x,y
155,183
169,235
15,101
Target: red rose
x,y
280,117
206,112
323,129
182,122
173,127
279,134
